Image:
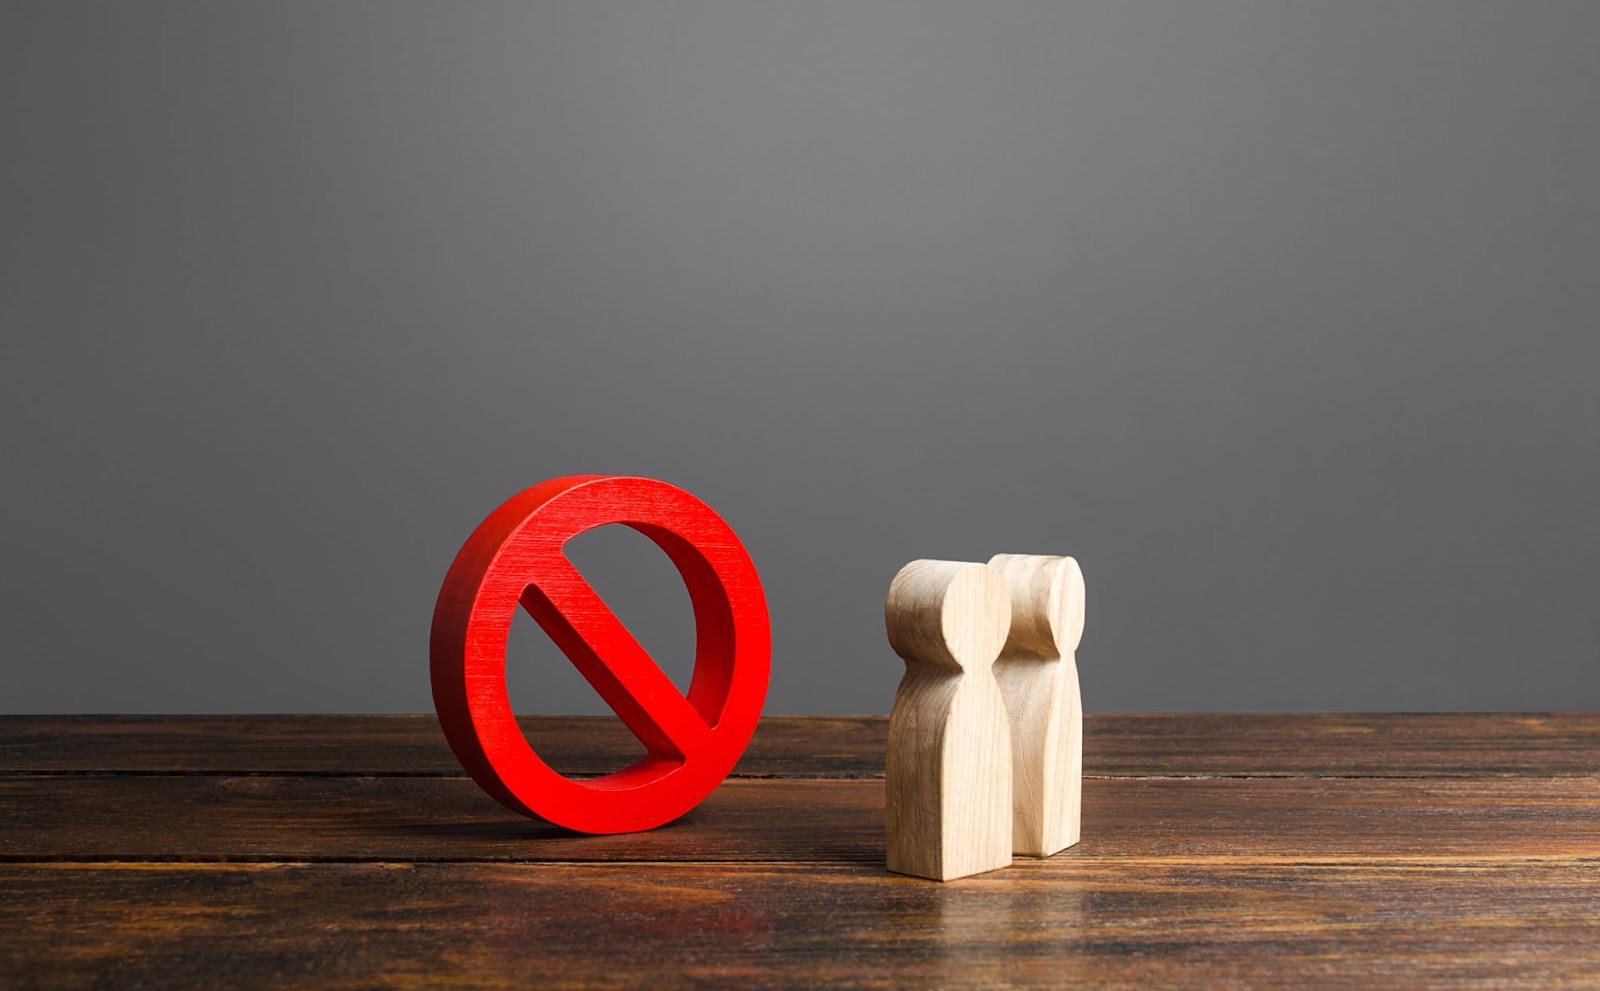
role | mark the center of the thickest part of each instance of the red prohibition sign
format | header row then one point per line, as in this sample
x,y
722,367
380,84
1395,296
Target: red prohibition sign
x,y
515,557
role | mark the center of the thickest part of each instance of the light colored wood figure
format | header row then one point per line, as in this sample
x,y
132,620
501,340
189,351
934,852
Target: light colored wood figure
x,y
949,761
1038,676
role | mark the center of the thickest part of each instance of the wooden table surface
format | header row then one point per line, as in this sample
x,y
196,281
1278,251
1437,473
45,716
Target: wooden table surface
x,y
1259,851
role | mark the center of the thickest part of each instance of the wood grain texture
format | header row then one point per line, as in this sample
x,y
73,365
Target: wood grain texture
x,y
381,746
1042,924
948,767
264,817
1379,852
1038,676
1535,744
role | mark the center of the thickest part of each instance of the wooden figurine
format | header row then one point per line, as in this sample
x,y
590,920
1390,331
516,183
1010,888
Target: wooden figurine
x,y
949,758
1038,676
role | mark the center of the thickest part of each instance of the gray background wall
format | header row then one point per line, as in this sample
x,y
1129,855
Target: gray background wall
x,y
1281,317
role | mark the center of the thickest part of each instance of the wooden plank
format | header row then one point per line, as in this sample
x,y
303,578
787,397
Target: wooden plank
x,y
1060,923
783,746
443,819
1332,744
1253,745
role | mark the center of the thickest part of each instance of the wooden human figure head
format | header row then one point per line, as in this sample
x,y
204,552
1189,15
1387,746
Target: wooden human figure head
x,y
948,614
1047,602
1038,677
948,767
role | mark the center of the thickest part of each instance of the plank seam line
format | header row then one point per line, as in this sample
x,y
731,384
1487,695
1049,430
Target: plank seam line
x,y
1028,865
1451,774
442,775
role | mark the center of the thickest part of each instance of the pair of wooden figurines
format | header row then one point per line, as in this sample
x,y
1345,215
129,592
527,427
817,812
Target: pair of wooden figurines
x,y
986,740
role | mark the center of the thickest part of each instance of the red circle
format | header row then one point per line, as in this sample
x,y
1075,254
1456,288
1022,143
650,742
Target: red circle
x,y
515,557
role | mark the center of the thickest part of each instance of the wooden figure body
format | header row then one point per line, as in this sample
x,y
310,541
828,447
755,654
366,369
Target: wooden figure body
x,y
949,758
1038,676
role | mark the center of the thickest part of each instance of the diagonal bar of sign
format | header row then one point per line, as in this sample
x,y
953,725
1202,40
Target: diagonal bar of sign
x,y
612,660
